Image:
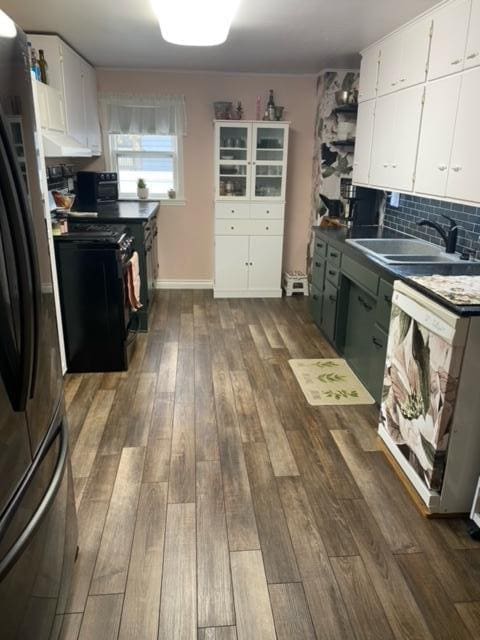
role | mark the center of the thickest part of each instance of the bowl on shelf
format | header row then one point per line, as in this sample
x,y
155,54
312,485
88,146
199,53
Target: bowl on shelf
x,y
343,98
223,110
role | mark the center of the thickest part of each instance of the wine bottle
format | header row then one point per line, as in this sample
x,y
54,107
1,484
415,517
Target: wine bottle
x,y
271,101
34,64
42,63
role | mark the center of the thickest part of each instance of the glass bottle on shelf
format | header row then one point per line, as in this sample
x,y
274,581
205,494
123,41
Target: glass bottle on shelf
x,y
271,106
34,64
42,63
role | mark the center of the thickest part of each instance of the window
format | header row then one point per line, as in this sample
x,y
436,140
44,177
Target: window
x,y
155,158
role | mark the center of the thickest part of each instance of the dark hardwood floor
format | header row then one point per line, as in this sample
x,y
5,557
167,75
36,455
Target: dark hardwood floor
x,y
215,503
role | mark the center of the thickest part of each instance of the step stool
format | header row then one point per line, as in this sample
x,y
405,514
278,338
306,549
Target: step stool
x,y
295,282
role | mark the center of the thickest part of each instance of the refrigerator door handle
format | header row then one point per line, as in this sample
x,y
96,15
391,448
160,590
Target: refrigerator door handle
x,y
22,234
9,559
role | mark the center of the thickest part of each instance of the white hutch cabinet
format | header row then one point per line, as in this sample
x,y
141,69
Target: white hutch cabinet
x,y
250,180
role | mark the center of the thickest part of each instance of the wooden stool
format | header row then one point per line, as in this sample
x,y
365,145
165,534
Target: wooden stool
x,y
295,282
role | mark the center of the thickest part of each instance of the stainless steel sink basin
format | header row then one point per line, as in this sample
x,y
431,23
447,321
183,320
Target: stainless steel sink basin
x,y
404,250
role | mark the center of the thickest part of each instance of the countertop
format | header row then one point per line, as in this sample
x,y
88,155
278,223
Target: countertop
x,y
122,211
403,272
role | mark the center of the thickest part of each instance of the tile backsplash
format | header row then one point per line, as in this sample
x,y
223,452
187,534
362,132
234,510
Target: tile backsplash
x,y
411,209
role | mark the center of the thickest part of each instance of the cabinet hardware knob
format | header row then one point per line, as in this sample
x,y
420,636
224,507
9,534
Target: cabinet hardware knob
x,y
267,228
232,228
315,297
402,79
251,264
388,299
472,55
442,167
318,264
385,165
232,211
332,273
332,298
334,255
393,84
268,210
377,343
366,306
394,166
457,61
246,264
457,168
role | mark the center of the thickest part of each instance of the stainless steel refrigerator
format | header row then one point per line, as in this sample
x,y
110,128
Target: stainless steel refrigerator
x,y
38,530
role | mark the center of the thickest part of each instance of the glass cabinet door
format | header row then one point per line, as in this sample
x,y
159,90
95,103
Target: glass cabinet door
x,y
232,162
270,142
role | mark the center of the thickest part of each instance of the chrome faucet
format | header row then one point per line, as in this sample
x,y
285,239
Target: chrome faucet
x,y
450,237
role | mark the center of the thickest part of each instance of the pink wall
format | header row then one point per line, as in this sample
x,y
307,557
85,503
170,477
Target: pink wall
x,y
186,232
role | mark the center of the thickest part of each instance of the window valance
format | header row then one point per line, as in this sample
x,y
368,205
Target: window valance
x,y
148,115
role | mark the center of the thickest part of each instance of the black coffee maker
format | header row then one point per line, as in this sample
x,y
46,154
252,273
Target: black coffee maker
x,y
334,207
362,204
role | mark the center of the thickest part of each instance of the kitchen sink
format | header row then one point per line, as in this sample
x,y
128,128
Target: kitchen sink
x,y
404,250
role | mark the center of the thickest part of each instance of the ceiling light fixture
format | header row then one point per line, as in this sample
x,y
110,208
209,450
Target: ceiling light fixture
x,y
195,23
7,26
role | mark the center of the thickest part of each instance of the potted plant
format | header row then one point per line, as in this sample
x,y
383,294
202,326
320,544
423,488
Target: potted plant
x,y
172,194
142,189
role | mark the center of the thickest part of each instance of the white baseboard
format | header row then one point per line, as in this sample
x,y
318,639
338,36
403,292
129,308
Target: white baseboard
x,y
247,293
183,284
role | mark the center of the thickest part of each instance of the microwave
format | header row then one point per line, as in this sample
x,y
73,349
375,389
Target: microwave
x,y
96,188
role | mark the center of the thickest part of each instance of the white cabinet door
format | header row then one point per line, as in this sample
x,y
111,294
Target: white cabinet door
x,y
56,110
369,74
94,140
450,24
74,94
383,141
231,262
415,48
436,136
42,103
363,142
233,142
265,262
472,52
390,64
269,161
408,115
463,182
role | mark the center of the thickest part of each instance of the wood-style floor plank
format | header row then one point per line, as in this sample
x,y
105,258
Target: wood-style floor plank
x,y
113,556
252,602
363,605
283,462
215,598
167,371
324,599
275,542
70,628
178,607
290,612
141,411
206,437
142,594
182,461
248,421
470,614
241,523
401,608
218,633
101,617
439,613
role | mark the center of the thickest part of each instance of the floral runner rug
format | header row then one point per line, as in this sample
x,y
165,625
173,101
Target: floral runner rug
x,y
329,381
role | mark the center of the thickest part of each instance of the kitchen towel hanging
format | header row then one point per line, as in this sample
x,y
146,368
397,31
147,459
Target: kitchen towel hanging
x,y
133,282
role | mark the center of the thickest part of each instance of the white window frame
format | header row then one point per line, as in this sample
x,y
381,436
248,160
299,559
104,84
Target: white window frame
x,y
177,156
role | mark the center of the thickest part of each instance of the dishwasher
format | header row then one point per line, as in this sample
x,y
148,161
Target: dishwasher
x,y
430,410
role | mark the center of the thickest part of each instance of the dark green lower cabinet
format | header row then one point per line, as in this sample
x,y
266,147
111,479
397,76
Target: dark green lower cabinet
x,y
376,368
329,311
316,305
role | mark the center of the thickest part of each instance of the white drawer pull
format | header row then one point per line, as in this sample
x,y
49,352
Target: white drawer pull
x,y
267,228
232,228
385,165
268,210
457,61
442,167
232,211
402,79
472,55
394,166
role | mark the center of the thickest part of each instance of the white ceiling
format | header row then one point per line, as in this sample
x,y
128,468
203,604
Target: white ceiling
x,y
284,36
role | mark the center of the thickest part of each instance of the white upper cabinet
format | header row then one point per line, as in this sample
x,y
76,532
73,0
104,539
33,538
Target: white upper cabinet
x,y
404,58
472,52
51,108
450,25
463,182
415,50
369,74
390,64
363,142
74,100
408,115
383,142
94,138
436,138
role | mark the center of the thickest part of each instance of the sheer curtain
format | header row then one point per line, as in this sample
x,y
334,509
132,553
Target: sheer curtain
x,y
161,115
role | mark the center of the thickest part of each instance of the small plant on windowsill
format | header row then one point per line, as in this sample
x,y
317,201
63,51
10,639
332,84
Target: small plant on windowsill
x,y
142,189
172,194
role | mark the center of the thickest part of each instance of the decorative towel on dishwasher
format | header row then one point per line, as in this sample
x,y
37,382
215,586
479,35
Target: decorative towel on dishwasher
x,y
462,290
132,277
